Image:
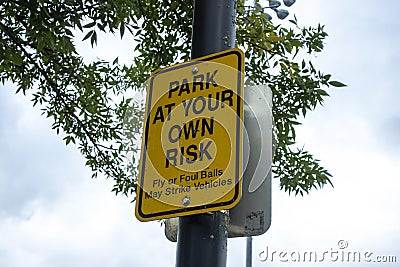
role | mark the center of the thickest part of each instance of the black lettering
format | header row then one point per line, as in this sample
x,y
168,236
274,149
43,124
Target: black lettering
x,y
202,107
191,153
190,128
199,83
203,150
182,155
184,87
205,126
227,95
169,107
170,138
159,115
187,106
171,156
210,100
210,79
168,191
173,87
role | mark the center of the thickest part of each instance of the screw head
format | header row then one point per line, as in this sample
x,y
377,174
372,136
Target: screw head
x,y
195,70
185,201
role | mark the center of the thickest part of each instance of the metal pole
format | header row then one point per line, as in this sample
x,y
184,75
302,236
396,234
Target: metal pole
x,y
249,251
202,238
213,26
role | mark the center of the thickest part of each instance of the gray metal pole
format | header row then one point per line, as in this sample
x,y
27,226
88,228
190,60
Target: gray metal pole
x,y
202,238
213,26
249,251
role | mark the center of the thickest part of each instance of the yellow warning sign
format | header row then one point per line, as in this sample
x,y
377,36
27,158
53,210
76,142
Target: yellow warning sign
x,y
191,157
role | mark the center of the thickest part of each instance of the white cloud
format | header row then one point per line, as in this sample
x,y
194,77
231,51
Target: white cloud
x,y
52,213
87,226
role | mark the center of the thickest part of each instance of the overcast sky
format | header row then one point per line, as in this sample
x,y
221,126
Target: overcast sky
x,y
53,214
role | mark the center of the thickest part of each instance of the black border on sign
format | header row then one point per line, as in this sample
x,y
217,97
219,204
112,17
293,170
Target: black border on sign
x,y
237,171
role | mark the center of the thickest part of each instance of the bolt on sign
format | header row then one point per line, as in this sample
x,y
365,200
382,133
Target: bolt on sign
x,y
191,157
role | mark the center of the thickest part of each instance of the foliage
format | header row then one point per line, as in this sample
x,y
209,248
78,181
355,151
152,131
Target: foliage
x,y
86,100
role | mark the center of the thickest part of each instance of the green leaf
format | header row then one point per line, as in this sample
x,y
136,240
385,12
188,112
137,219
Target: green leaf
x,y
122,29
90,25
17,59
41,44
93,39
275,39
337,84
174,5
88,35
